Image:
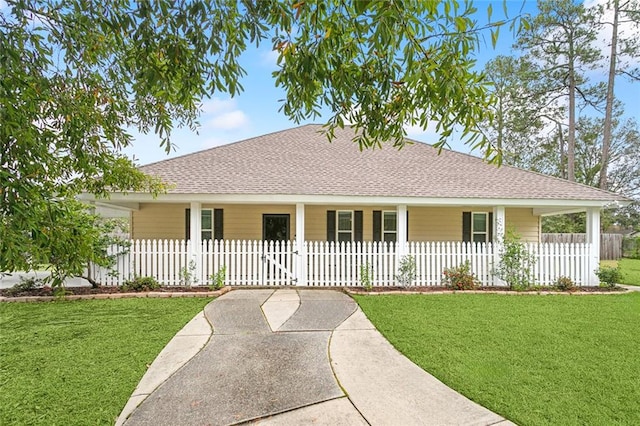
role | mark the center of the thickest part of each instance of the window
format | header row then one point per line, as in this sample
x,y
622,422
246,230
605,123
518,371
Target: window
x,y
211,224
479,227
345,225
389,226
206,221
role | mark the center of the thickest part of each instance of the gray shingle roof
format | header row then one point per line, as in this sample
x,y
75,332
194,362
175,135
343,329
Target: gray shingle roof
x,y
300,161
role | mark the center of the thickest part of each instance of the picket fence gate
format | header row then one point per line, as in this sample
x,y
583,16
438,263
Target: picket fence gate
x,y
329,264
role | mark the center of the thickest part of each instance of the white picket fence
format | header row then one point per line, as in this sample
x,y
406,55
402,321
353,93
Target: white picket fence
x,y
329,264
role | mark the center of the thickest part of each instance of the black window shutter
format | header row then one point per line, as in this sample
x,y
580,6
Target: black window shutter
x,y
331,225
377,225
218,224
490,225
466,227
187,224
357,225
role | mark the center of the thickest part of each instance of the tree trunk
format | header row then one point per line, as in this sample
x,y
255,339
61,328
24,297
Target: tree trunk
x,y
571,142
563,157
608,116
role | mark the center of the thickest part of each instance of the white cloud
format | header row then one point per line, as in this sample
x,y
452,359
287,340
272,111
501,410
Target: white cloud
x,y
223,114
228,121
217,105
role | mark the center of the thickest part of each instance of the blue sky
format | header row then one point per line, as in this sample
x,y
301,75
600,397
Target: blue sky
x,y
255,111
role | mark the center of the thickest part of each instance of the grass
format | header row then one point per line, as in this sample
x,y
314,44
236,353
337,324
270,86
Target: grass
x,y
77,362
630,269
536,360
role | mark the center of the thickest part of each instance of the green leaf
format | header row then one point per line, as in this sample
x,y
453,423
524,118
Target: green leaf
x,y
361,6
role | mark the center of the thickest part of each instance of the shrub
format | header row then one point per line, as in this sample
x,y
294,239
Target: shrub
x,y
609,276
140,284
406,271
366,274
218,279
460,277
25,284
564,284
187,274
516,263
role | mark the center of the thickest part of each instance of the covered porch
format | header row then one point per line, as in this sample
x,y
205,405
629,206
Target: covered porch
x,y
335,242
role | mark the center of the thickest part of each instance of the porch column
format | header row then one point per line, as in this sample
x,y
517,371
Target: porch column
x,y
498,227
300,246
401,215
498,224
593,238
195,241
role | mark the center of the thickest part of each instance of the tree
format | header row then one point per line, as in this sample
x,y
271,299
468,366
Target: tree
x,y
76,74
522,115
623,12
560,37
624,171
623,165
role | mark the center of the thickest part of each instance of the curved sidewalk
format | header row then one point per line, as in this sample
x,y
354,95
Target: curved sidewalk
x,y
290,357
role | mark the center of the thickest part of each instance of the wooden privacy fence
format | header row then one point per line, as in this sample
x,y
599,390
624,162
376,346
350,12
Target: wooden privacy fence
x,y
610,244
320,264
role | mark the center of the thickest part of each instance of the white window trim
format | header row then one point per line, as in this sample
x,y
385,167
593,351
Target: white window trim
x,y
384,232
344,231
202,229
487,224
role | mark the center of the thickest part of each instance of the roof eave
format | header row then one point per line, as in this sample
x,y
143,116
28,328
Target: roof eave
x,y
545,206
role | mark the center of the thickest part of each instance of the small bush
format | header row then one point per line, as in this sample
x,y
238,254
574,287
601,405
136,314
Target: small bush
x,y
140,284
187,274
25,284
366,273
218,279
516,263
407,271
460,277
564,284
609,276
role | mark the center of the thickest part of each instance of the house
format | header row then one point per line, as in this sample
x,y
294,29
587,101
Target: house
x,y
295,186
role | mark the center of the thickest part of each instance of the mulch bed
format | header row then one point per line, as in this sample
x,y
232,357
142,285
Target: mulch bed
x,y
68,291
487,289
48,291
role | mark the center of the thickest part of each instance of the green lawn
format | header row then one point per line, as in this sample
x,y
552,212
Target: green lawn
x,y
630,269
536,360
77,362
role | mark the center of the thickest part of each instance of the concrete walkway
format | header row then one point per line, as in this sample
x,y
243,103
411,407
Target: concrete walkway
x,y
291,357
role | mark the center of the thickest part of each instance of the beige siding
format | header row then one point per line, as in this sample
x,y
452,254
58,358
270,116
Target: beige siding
x,y
155,220
241,222
437,223
524,223
244,222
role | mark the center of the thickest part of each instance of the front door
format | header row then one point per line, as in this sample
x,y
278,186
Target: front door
x,y
276,250
275,227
